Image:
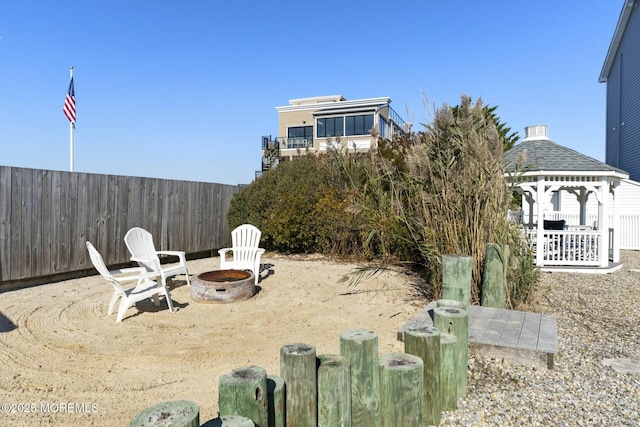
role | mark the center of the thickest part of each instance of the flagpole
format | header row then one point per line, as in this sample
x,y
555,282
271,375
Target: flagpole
x,y
71,127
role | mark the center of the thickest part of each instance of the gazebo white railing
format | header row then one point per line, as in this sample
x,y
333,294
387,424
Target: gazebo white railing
x,y
568,247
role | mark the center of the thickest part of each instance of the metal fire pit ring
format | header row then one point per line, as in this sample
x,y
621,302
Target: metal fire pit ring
x,y
223,286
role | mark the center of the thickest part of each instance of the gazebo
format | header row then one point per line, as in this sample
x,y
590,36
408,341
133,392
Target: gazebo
x,y
537,168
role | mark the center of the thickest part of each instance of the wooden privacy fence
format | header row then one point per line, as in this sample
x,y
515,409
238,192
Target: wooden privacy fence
x,y
47,216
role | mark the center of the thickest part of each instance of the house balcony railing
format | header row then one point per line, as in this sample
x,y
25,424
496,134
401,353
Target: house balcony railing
x,y
294,143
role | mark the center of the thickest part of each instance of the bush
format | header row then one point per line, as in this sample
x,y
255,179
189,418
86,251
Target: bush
x,y
413,199
293,207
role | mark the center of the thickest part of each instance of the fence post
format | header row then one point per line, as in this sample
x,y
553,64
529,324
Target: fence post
x,y
243,392
424,342
401,390
360,347
179,413
455,321
456,278
276,398
298,369
334,391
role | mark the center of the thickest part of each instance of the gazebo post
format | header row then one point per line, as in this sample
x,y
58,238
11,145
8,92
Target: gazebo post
x,y
616,221
603,223
583,197
540,220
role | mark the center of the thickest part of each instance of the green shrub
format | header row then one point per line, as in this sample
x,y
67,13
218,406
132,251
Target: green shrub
x,y
411,200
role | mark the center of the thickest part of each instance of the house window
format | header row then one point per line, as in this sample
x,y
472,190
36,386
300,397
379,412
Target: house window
x,y
383,127
300,132
358,125
330,126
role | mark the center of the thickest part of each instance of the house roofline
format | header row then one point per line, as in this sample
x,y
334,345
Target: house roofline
x,y
600,174
617,38
332,104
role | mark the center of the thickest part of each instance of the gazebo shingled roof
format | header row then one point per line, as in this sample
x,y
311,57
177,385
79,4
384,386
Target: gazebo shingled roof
x,y
546,155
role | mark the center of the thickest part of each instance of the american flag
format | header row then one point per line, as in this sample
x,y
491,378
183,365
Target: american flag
x,y
70,104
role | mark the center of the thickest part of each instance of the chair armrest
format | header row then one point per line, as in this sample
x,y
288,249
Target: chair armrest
x,y
135,273
179,254
222,252
143,260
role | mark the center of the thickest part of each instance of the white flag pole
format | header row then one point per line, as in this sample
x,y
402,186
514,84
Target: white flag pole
x,y
72,126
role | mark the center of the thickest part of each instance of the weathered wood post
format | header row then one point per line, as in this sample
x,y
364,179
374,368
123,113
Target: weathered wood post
x,y
178,413
455,321
360,347
424,342
243,392
494,289
448,366
401,390
298,369
276,400
456,278
334,391
450,303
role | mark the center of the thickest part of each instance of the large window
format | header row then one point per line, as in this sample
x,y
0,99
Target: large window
x,y
300,132
299,137
383,127
330,126
344,125
358,125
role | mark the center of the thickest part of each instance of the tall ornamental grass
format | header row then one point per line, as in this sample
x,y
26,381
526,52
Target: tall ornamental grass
x,y
410,200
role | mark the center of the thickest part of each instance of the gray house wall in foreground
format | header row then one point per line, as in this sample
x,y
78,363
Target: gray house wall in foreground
x,y
621,72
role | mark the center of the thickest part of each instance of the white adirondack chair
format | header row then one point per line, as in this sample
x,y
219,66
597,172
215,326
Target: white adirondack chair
x,y
245,240
140,243
145,287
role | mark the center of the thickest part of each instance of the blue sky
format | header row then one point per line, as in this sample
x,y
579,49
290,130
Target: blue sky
x,y
185,90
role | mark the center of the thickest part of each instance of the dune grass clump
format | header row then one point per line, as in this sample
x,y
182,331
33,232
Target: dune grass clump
x,y
412,199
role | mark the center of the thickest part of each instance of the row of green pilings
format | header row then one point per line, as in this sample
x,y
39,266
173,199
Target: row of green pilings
x,y
358,387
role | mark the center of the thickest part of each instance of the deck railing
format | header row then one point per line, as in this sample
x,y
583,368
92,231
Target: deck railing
x,y
295,143
568,247
628,231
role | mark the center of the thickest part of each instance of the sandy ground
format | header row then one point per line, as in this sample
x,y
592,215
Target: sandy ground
x,y
65,362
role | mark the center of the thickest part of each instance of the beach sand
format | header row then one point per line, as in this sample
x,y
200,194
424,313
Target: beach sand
x,y
66,362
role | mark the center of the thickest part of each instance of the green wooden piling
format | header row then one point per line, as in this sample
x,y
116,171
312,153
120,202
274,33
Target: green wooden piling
x,y
456,278
494,291
334,391
450,303
298,369
235,421
455,321
243,392
276,400
448,367
401,390
424,342
178,413
360,347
